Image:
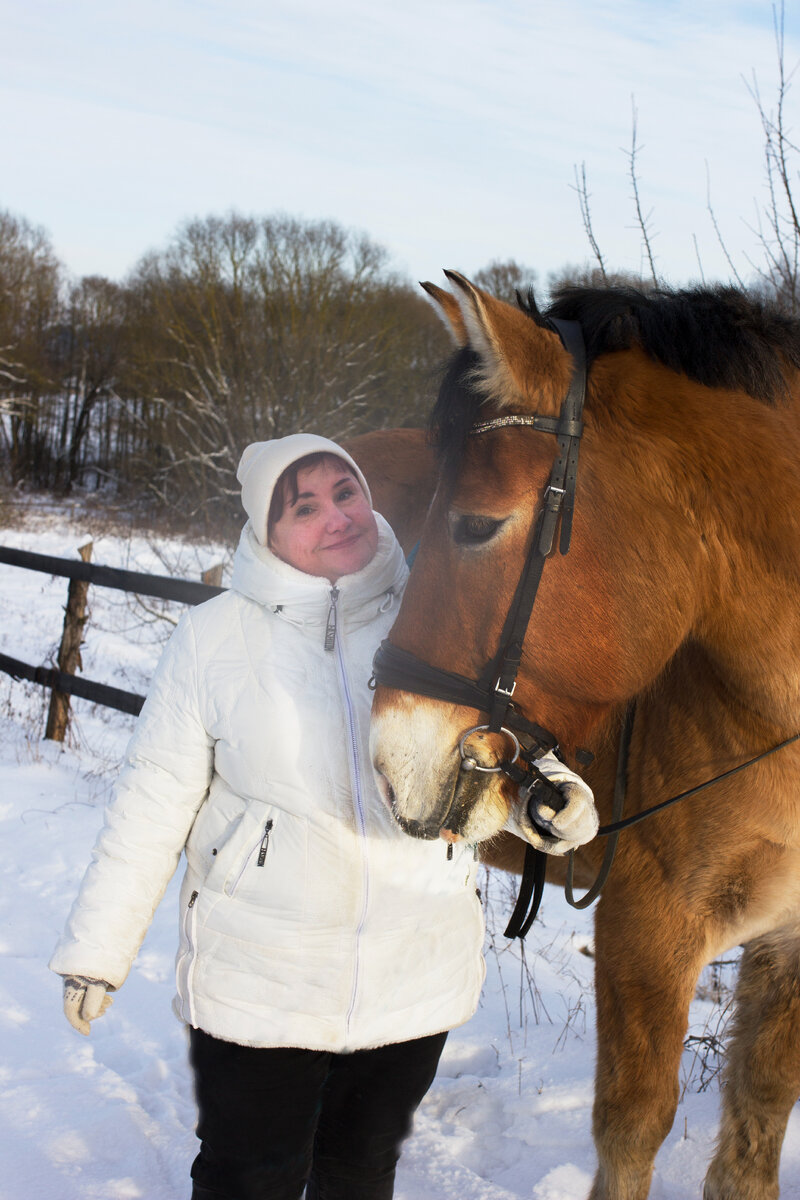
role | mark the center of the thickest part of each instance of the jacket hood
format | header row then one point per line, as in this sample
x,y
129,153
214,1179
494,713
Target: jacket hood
x,y
305,599
263,463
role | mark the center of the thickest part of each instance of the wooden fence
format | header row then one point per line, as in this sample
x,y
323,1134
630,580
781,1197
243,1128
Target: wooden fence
x,y
64,682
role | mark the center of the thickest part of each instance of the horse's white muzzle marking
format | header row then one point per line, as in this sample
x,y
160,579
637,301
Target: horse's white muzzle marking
x,y
414,744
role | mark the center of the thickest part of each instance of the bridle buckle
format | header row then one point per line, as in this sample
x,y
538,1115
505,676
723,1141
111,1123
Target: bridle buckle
x,y
501,691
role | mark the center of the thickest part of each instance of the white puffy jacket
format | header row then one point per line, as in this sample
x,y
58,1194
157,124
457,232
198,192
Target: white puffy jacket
x,y
308,918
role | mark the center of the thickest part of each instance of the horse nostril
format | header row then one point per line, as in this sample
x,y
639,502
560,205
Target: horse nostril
x,y
386,790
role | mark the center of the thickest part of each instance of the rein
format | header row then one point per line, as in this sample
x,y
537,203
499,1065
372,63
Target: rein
x,y
618,823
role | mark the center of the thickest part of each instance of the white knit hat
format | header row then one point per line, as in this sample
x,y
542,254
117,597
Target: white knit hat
x,y
263,463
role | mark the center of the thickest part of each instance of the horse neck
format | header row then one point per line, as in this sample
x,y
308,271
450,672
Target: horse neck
x,y
743,492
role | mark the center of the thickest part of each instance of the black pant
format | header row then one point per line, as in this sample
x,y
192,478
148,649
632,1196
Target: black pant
x,y
273,1121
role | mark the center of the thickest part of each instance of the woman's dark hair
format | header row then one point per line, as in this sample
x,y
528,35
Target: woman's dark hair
x,y
285,490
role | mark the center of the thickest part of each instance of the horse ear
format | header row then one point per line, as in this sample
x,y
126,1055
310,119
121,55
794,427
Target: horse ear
x,y
521,360
449,311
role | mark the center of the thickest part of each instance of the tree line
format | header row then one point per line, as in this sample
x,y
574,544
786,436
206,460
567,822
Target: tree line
x,y
240,329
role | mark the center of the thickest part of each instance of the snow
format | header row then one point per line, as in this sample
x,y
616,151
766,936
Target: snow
x,y
112,1117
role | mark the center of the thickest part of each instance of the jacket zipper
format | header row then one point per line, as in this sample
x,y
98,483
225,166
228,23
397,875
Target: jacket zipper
x,y
330,627
358,802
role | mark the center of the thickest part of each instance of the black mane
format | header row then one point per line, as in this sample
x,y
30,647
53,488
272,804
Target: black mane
x,y
720,337
456,408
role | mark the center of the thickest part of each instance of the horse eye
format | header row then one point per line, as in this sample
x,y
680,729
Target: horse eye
x,y
474,530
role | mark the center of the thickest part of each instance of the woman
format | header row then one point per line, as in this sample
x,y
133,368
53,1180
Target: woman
x,y
323,953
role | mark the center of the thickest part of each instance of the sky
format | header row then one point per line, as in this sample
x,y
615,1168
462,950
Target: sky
x,y
447,130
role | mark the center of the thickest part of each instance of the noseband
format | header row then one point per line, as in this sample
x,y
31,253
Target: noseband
x,y
492,692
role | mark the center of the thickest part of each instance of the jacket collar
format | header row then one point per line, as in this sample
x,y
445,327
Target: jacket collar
x,y
305,599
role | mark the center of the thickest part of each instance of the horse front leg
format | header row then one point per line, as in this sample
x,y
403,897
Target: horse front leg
x,y
647,963
762,1074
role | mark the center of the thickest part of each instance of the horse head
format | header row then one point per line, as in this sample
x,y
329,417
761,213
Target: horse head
x,y
607,616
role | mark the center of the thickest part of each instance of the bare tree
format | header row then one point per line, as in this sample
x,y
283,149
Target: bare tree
x,y
601,275
30,282
504,278
92,349
642,221
777,220
581,187
779,223
251,328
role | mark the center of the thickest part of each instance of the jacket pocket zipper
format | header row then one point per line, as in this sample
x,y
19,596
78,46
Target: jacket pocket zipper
x,y
262,846
262,853
190,933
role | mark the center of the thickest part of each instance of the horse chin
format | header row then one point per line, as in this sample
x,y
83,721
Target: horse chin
x,y
426,792
478,815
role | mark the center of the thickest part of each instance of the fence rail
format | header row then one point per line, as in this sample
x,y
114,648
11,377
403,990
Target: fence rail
x,y
73,685
162,586
186,591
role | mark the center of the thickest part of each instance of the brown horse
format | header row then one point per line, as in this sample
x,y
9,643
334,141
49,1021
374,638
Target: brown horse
x,y
681,589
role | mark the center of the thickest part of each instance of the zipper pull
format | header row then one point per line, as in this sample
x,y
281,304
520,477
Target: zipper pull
x,y
262,854
449,851
330,628
192,899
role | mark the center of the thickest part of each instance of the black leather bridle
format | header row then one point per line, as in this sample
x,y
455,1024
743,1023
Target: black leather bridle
x,y
492,692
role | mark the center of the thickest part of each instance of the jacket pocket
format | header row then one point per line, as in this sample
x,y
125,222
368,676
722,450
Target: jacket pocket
x,y
263,861
232,847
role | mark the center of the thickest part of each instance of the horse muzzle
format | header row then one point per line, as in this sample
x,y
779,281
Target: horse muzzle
x,y
456,792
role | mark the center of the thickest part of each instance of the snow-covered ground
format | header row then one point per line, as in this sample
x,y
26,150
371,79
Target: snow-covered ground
x,y
112,1117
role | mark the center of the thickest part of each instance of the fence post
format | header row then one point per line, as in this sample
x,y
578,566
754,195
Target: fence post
x,y
69,653
213,576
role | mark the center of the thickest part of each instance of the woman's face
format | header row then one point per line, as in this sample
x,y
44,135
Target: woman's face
x,y
330,529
